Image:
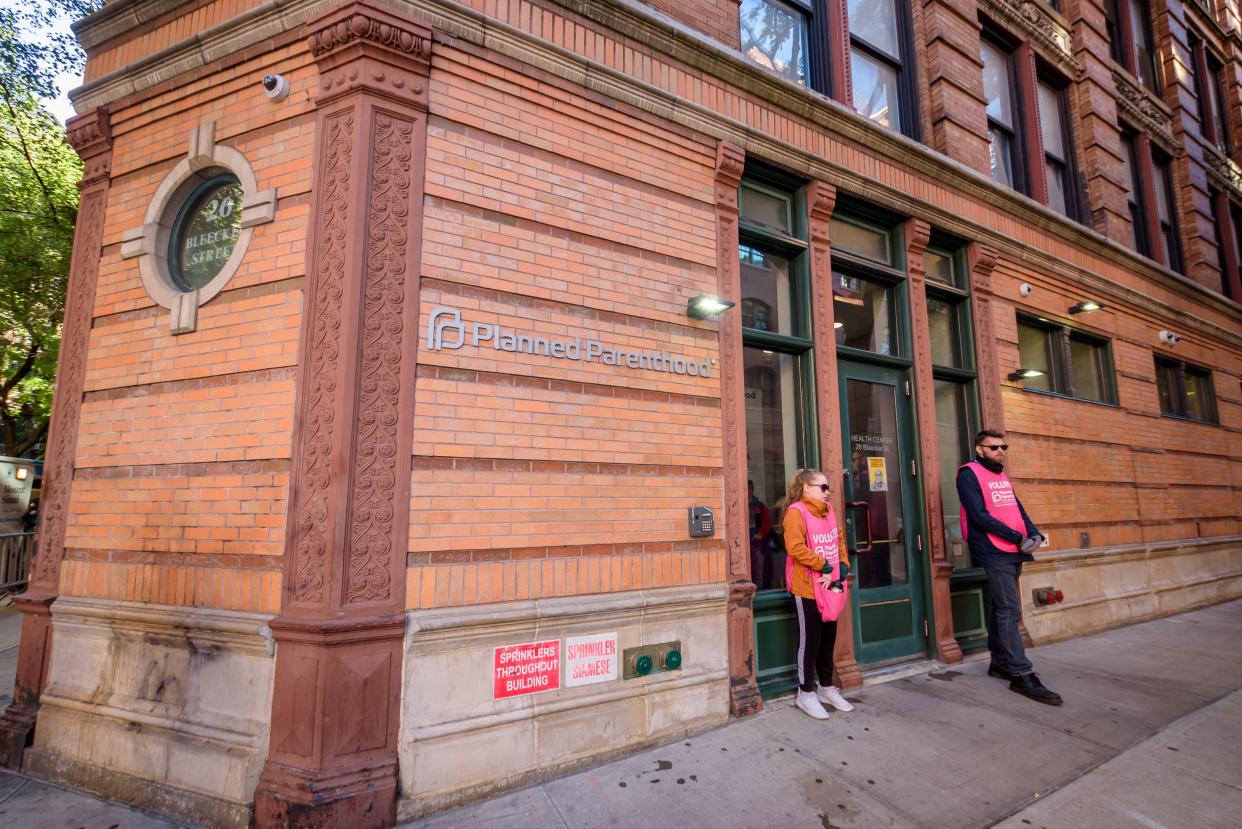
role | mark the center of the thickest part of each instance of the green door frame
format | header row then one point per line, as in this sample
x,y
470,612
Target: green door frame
x,y
910,641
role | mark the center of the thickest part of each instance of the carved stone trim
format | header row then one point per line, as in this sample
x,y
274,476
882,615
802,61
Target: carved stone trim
x,y
386,54
981,260
91,136
1042,26
1146,111
1224,170
918,234
743,689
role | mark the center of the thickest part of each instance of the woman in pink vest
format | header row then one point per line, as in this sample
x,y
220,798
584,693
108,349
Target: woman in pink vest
x,y
815,565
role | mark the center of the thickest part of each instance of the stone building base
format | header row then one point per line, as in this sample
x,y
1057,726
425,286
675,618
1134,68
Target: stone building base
x,y
1114,586
163,707
457,744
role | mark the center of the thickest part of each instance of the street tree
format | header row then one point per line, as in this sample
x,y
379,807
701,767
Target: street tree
x,y
38,209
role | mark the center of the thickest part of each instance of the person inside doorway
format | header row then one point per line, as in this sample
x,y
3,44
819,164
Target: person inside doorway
x,y
760,530
1000,537
812,542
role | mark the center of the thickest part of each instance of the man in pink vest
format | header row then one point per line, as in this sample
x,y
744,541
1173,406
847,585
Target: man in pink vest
x,y
1000,536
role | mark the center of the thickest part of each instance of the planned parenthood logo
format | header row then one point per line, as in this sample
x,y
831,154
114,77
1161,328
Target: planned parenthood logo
x,y
447,331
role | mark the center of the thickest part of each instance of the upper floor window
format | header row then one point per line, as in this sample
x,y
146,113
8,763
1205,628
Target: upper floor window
x,y
797,40
1185,391
1162,175
1073,363
774,34
1055,137
877,61
1004,130
1217,104
1130,41
1134,196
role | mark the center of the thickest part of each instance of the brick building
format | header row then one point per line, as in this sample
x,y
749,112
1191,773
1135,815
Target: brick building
x,y
378,362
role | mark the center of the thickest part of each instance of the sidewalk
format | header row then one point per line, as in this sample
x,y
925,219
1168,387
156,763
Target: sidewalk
x,y
1150,736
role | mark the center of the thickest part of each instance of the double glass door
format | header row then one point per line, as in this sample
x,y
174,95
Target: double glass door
x,y
882,519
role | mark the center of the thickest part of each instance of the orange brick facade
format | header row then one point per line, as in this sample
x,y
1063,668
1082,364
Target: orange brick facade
x,y
573,176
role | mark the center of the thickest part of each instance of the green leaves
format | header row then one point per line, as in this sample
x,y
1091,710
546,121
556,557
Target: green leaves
x,y
38,208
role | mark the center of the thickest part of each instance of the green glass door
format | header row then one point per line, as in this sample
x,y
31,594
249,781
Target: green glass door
x,y
883,528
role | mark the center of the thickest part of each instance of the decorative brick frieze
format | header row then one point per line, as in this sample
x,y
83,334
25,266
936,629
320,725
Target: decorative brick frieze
x,y
743,689
1039,24
1143,109
335,710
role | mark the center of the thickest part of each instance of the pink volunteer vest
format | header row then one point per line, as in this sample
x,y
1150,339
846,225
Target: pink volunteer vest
x,y
822,536
999,501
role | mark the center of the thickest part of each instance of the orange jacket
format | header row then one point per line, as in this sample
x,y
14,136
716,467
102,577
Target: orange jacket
x,y
794,530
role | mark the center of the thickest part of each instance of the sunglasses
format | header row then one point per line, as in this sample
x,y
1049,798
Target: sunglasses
x,y
823,487
1004,446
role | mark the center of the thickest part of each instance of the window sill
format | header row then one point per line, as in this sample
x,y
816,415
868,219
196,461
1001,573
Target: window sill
x,y
1061,396
1186,419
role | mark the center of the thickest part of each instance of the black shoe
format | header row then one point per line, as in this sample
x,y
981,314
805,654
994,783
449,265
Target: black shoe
x,y
999,673
1029,685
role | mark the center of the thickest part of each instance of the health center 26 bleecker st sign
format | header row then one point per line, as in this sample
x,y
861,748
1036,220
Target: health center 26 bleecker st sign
x,y
447,331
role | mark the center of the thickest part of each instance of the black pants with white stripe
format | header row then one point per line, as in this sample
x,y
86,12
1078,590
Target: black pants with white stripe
x,y
816,640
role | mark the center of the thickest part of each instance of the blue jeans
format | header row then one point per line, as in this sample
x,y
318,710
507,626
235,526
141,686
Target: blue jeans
x,y
1004,614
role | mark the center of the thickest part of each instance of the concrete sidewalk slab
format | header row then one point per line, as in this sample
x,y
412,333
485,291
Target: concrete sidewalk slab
x,y
31,804
1190,774
954,748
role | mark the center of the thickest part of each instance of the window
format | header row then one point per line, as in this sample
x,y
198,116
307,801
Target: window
x,y
1055,137
774,35
1134,196
1185,391
797,38
1217,105
1073,363
1162,174
776,346
953,373
1128,23
876,55
1003,127
865,305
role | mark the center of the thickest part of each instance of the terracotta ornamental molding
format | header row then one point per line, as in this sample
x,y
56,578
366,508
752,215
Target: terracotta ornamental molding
x,y
1144,110
743,689
341,624
1042,26
91,136
630,18
1224,170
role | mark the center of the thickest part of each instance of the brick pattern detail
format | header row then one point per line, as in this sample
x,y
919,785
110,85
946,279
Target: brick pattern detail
x,y
714,18
954,68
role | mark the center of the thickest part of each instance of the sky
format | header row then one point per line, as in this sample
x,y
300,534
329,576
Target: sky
x,y
59,106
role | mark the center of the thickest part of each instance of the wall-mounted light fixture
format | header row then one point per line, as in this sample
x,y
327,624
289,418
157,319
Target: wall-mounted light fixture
x,y
22,473
1084,306
1025,373
705,306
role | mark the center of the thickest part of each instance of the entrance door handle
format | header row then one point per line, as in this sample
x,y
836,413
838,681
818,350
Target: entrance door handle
x,y
866,508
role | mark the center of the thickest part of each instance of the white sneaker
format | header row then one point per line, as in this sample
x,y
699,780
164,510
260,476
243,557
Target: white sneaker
x,y
832,696
810,704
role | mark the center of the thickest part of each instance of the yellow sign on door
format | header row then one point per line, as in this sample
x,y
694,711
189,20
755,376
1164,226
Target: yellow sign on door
x,y
877,474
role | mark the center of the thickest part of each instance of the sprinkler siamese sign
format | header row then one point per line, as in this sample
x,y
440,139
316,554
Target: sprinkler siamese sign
x,y
447,331
530,668
590,659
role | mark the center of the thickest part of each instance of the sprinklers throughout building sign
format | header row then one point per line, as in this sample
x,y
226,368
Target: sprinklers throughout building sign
x,y
447,331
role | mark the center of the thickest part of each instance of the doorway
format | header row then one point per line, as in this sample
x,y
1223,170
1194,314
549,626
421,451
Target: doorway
x,y
883,524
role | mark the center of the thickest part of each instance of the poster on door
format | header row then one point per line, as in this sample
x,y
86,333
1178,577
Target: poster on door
x,y
877,474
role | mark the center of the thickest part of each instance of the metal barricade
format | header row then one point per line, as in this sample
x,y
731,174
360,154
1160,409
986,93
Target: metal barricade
x,y
16,552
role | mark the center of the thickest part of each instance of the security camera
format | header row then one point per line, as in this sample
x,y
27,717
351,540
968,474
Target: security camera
x,y
276,87
1169,338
